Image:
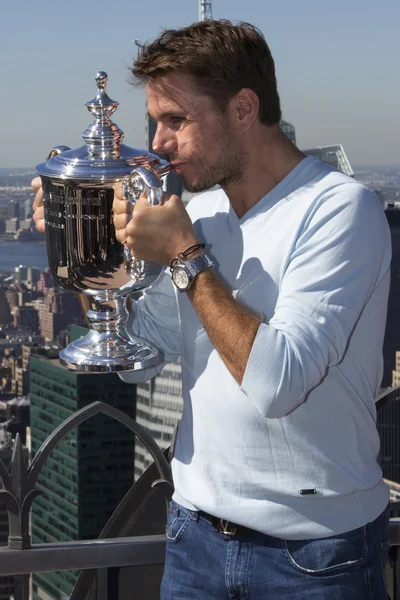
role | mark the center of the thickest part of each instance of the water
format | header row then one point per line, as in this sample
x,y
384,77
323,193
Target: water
x,y
30,254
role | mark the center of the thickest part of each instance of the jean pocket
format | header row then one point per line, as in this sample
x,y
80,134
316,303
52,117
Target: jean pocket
x,y
328,556
178,520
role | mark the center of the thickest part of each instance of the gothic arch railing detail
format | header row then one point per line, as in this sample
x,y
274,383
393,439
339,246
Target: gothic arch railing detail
x,y
19,490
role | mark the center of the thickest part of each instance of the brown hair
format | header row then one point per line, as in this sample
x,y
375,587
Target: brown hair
x,y
221,57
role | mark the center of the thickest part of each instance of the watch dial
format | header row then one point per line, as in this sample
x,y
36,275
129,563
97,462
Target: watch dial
x,y
181,278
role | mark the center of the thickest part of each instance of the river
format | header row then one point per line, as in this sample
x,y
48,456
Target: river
x,y
29,254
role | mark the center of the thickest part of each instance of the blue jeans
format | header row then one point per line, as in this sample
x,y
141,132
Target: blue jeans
x,y
202,564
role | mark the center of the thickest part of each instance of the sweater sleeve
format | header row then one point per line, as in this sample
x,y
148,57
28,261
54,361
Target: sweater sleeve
x,y
154,318
341,254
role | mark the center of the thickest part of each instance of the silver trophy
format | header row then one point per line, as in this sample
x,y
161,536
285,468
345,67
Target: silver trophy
x,y
83,252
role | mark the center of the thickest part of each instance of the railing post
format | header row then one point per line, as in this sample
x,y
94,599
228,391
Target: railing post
x,y
394,566
102,584
21,587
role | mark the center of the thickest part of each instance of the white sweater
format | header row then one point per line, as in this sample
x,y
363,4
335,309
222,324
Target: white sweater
x,y
312,257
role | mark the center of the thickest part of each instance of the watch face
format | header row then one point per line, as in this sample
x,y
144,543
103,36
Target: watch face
x,y
180,278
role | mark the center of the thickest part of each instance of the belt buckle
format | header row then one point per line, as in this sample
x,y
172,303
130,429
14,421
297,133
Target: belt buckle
x,y
226,527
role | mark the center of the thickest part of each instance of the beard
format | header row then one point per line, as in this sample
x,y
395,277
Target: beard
x,y
227,169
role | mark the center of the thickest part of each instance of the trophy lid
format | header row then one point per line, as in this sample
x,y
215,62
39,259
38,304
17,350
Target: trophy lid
x,y
102,157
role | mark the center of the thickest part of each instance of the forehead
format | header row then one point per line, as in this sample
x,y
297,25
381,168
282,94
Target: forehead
x,y
175,92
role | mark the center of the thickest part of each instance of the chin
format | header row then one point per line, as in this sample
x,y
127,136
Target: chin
x,y
196,187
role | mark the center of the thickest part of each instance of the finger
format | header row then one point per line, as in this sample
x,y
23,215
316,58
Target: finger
x,y
118,190
121,221
142,201
36,183
38,218
38,199
121,206
38,214
121,235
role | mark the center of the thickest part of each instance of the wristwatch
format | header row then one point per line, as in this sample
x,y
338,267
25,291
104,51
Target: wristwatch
x,y
183,272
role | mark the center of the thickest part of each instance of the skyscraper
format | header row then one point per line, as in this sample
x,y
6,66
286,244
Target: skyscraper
x,y
159,406
289,130
392,333
335,156
5,312
13,210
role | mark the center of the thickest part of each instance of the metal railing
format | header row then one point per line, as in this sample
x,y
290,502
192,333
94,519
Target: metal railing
x,y
95,558
102,563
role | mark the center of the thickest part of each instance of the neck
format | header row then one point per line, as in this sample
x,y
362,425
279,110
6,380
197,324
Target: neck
x,y
270,156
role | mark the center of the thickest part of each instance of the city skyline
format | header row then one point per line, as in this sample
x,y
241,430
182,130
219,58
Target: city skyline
x,y
334,65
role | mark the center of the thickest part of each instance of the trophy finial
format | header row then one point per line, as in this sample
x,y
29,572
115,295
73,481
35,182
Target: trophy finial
x,y
101,80
103,137
102,103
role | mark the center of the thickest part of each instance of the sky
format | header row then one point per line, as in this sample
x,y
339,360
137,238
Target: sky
x,y
337,66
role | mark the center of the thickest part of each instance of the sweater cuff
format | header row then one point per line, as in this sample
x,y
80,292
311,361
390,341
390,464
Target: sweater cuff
x,y
264,370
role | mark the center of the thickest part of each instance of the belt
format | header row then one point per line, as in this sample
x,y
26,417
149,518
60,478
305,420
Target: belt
x,y
223,526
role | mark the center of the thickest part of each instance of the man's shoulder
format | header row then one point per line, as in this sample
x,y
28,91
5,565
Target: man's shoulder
x,y
328,181
206,204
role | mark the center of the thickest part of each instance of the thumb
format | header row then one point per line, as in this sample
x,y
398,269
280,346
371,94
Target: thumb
x,y
36,183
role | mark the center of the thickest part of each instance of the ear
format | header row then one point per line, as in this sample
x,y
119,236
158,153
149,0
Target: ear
x,y
244,107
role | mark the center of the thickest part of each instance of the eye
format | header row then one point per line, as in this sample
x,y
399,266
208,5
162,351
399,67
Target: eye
x,y
177,120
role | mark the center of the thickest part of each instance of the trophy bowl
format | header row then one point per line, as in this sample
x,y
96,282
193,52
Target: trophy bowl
x,y
83,252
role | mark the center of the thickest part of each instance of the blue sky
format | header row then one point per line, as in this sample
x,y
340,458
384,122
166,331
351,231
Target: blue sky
x,y
337,66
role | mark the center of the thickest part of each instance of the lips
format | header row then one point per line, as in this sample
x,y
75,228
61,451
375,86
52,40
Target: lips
x,y
177,166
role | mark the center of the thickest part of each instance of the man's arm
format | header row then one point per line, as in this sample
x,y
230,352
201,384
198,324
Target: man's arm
x,y
230,326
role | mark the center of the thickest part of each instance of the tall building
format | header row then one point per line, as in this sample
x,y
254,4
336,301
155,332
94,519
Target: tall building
x,y
60,308
91,469
45,282
335,156
396,372
13,210
21,273
159,406
12,225
5,312
28,210
289,130
388,424
205,10
392,334
32,275
27,318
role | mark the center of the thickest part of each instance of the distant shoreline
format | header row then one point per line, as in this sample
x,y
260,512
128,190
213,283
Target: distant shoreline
x,y
9,237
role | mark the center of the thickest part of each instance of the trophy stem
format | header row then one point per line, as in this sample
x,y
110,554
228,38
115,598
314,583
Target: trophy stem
x,y
107,347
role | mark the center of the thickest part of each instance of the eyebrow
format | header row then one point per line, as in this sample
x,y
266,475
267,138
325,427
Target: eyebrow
x,y
166,115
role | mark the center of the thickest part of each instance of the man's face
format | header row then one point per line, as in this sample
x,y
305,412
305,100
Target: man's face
x,y
194,135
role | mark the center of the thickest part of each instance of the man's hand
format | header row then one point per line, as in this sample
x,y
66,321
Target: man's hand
x,y
38,210
156,233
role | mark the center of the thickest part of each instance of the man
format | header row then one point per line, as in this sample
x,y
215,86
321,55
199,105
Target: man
x,y
279,322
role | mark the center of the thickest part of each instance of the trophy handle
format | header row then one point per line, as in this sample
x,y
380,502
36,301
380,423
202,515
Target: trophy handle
x,y
140,180
57,150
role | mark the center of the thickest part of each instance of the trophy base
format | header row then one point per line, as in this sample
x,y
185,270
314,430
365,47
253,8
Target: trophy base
x,y
107,353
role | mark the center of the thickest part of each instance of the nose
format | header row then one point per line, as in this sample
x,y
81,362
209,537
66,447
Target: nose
x,y
164,140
